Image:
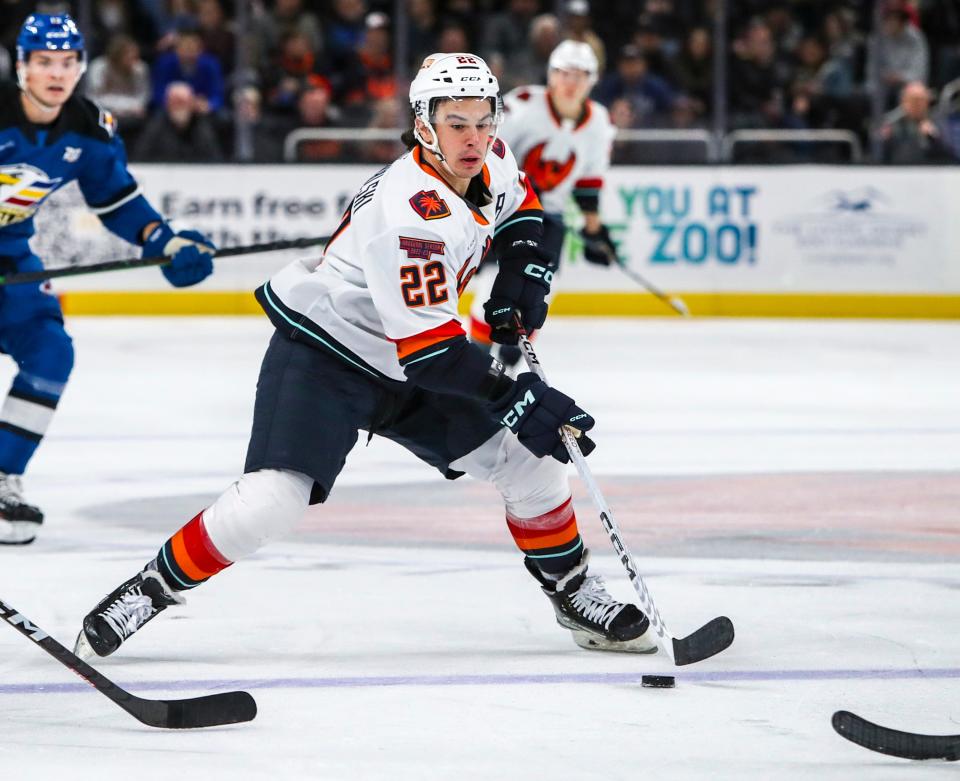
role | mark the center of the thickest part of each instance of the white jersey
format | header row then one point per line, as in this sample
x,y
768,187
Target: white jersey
x,y
560,156
389,281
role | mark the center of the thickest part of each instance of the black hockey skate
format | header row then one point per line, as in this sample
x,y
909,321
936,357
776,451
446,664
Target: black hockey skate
x,y
19,521
123,612
597,620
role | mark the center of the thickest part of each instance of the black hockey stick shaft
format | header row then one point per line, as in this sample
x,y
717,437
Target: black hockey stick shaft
x,y
895,743
120,265
708,640
210,711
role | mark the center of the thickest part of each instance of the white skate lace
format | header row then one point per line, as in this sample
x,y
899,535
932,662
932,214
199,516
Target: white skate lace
x,y
127,614
594,603
11,489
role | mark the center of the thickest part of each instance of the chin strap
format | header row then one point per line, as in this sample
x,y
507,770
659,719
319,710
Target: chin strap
x,y
42,106
433,147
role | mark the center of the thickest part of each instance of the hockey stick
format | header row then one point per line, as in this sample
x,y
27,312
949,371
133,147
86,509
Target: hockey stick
x,y
210,711
907,745
712,637
675,303
672,301
118,265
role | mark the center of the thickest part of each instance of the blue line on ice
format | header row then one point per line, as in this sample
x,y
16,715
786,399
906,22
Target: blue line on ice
x,y
692,676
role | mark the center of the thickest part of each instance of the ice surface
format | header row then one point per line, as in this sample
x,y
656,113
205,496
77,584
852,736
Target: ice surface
x,y
799,477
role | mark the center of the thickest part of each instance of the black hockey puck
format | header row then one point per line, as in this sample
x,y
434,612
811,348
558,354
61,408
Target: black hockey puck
x,y
658,681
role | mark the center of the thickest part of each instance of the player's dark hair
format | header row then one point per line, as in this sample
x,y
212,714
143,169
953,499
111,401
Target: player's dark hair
x,y
407,138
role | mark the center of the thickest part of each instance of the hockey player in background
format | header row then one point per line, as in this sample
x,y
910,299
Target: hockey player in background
x,y
49,137
561,140
367,337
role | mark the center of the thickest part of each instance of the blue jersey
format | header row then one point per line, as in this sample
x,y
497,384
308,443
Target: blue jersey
x,y
36,160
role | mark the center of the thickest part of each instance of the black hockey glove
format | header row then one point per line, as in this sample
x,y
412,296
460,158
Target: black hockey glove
x,y
599,247
535,412
522,283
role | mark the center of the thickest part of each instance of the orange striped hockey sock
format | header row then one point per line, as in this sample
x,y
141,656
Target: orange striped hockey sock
x,y
189,557
551,540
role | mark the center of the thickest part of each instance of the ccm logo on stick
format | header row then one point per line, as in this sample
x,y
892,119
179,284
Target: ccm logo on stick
x,y
35,632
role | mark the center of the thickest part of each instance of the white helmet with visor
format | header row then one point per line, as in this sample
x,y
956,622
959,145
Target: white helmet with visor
x,y
574,55
452,77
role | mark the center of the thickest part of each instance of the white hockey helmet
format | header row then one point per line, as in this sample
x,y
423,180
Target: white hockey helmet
x,y
454,76
574,55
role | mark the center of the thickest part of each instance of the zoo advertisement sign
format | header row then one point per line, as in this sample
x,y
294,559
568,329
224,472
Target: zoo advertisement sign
x,y
699,230
809,229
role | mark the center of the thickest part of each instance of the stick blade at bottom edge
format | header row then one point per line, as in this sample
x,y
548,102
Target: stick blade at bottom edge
x,y
210,711
884,740
709,640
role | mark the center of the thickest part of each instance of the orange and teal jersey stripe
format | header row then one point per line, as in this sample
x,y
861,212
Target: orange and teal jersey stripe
x,y
427,344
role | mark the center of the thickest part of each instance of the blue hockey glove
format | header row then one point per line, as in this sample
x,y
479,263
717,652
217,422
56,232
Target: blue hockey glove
x,y
521,287
535,412
599,247
190,253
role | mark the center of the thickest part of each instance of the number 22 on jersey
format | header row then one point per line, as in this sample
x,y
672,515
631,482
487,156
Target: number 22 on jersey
x,y
426,285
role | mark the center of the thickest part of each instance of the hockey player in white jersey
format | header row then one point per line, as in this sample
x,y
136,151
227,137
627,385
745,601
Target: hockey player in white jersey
x,y
367,338
562,141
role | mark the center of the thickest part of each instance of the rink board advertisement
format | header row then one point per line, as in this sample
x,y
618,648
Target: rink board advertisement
x,y
735,240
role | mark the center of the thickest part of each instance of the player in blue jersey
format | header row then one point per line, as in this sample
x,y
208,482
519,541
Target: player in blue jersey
x,y
48,138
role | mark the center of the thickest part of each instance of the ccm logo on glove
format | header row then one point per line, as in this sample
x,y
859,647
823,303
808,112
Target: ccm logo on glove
x,y
539,272
510,419
536,412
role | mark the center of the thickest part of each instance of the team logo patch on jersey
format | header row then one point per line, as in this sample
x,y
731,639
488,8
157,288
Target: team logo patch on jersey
x,y
71,154
107,122
498,148
421,249
22,190
546,174
429,205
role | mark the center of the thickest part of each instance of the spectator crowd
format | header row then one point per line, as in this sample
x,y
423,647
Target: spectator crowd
x,y
180,74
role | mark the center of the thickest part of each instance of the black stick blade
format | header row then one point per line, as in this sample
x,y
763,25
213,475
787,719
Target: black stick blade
x,y
210,711
709,640
907,745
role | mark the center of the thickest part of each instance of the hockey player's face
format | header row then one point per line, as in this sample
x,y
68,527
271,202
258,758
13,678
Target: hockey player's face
x,y
51,76
465,130
569,85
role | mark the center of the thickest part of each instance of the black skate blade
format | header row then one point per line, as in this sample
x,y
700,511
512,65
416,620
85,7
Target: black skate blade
x,y
209,711
708,640
906,745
